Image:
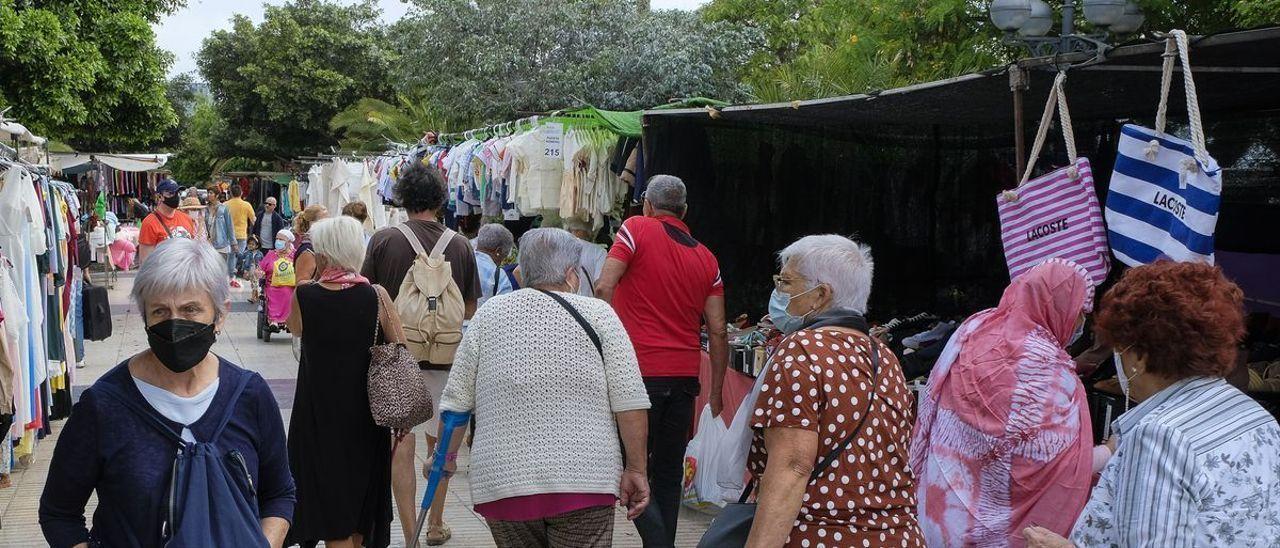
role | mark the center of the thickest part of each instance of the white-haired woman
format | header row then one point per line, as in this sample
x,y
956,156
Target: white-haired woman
x,y
124,433
340,458
833,417
553,380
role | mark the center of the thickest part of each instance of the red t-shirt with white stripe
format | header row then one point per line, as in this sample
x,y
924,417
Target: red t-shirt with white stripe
x,y
663,293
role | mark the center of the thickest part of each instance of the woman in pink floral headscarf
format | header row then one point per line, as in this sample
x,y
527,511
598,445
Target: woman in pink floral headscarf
x,y
1003,439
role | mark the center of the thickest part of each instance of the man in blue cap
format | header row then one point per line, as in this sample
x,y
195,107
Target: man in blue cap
x,y
165,221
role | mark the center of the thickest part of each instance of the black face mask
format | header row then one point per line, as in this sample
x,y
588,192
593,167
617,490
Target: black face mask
x,y
180,344
172,201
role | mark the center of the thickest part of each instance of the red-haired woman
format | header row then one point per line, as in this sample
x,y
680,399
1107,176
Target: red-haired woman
x,y
1198,462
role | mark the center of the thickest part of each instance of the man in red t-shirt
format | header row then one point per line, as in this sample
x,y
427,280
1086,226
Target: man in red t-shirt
x,y
164,222
664,284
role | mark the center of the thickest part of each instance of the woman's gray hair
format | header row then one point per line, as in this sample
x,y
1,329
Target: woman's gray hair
x,y
340,240
496,238
546,254
179,265
841,263
667,193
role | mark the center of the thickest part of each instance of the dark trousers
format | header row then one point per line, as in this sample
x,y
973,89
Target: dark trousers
x,y
671,402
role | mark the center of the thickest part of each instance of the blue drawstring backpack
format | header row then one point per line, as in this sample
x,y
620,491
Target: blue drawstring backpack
x,y
207,505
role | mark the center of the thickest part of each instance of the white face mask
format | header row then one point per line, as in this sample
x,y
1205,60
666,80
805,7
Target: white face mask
x,y
1123,377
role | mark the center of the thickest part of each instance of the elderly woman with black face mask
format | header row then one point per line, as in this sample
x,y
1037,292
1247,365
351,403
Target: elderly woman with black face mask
x,y
174,415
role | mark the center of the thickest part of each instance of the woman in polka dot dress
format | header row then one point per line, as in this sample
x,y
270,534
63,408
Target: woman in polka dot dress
x,y
817,389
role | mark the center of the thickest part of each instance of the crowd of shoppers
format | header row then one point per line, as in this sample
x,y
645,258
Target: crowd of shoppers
x,y
581,372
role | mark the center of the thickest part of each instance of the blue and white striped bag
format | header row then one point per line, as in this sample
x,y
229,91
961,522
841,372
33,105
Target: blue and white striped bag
x,y
1165,191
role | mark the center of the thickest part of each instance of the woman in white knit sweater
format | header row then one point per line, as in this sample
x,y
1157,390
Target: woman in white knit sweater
x,y
552,395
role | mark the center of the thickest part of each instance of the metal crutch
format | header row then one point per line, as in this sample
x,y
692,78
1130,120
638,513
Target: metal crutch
x,y
451,420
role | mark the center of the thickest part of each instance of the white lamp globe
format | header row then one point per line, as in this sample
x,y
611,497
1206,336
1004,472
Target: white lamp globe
x,y
1131,21
1104,13
1009,15
1040,22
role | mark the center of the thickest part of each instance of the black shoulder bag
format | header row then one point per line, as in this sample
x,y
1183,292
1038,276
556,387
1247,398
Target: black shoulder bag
x,y
586,326
733,525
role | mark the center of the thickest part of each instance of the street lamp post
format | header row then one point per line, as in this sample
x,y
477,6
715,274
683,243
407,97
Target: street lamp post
x,y
1028,23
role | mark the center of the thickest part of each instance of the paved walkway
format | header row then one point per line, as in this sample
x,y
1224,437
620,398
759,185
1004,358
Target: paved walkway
x,y
275,362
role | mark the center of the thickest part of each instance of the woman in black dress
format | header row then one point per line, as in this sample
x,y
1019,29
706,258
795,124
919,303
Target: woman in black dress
x,y
341,460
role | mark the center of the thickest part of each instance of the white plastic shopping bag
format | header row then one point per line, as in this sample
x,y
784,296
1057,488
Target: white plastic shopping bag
x,y
715,461
700,456
732,471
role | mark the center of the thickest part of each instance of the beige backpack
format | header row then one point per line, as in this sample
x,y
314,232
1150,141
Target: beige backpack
x,y
430,303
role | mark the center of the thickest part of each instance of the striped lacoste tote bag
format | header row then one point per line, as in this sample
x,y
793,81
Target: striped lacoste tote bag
x,y
1056,215
1165,191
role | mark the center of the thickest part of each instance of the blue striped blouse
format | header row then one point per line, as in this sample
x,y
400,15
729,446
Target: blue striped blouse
x,y
1198,464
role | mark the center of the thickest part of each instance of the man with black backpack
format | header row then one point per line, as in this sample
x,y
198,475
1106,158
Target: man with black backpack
x,y
433,296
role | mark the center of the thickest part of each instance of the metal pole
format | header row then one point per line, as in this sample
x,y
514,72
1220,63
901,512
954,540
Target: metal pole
x,y
1017,83
1068,25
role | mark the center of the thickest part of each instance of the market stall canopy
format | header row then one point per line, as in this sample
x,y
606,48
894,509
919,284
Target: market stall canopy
x,y
122,162
914,171
13,131
1235,72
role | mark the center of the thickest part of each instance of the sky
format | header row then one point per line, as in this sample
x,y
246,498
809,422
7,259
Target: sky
x,y
182,32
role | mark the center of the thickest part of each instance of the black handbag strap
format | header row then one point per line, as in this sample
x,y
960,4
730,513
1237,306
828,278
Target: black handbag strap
x,y
167,231
853,435
835,453
591,284
586,326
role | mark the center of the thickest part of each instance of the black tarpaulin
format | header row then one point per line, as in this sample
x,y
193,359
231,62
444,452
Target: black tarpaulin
x,y
914,172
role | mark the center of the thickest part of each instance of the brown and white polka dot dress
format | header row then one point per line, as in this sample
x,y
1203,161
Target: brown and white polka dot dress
x,y
819,380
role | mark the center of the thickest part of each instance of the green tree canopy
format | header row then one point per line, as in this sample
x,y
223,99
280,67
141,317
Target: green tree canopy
x,y
486,60
278,84
86,72
840,47
370,123
194,160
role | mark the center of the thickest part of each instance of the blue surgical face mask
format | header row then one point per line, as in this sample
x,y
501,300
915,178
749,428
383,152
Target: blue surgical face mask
x,y
281,244
783,320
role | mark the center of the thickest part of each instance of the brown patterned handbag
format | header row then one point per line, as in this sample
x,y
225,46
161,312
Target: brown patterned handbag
x,y
398,396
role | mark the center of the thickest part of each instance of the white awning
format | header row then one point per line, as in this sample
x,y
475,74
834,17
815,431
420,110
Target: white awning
x,y
14,131
123,162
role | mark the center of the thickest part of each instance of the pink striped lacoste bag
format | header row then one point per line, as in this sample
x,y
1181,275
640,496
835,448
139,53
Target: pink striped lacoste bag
x,y
1056,215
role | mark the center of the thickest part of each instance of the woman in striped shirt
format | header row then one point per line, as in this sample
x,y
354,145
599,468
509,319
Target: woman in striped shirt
x,y
1198,461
